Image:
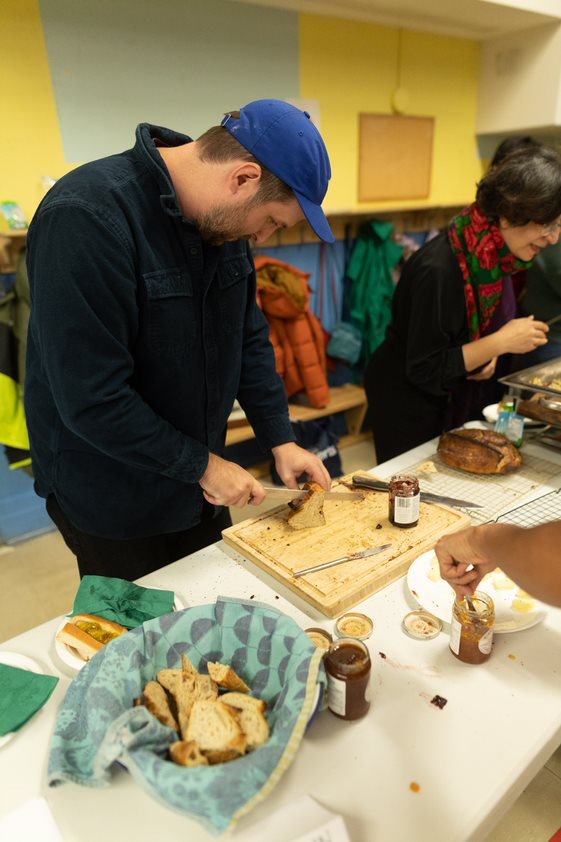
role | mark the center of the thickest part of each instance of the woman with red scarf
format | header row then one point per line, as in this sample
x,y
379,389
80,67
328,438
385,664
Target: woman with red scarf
x,y
452,312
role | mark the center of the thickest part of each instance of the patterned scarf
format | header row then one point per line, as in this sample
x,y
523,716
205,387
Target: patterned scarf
x,y
484,259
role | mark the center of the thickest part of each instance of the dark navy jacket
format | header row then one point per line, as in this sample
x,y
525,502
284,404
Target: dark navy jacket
x,y
140,339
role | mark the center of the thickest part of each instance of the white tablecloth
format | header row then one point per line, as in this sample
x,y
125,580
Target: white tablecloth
x,y
470,760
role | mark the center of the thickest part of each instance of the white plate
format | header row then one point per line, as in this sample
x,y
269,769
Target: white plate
x,y
436,596
13,659
491,414
70,656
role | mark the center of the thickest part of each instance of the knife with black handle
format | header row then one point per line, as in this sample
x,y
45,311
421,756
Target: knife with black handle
x,y
426,496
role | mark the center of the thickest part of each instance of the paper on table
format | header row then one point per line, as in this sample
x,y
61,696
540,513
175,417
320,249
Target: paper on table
x,y
302,821
31,820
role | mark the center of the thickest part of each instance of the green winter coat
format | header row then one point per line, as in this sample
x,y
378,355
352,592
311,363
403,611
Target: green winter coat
x,y
370,269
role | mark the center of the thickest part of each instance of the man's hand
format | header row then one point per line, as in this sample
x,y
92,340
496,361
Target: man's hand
x,y
292,460
456,553
227,484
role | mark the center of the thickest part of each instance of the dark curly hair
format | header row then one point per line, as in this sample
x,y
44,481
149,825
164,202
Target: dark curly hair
x,y
524,187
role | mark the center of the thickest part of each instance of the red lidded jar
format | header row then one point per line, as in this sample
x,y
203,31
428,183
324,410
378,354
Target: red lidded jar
x,y
404,500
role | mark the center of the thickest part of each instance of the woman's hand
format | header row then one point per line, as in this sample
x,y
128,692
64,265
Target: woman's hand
x,y
486,372
522,335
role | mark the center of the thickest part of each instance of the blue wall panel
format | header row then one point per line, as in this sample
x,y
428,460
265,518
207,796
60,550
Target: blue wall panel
x,y
175,63
22,512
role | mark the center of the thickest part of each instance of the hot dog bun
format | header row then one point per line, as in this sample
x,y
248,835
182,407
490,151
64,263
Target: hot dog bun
x,y
88,633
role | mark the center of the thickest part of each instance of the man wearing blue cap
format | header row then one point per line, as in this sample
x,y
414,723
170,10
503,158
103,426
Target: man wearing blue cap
x,y
144,329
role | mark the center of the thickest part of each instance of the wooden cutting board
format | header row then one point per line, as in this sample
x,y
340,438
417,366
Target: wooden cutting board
x,y
280,550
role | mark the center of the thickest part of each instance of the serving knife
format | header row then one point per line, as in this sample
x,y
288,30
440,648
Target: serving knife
x,y
426,496
295,493
353,557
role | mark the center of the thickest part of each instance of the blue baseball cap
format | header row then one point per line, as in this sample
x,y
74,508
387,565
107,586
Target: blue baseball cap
x,y
284,139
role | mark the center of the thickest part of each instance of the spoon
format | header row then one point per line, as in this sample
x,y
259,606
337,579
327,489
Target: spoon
x,y
470,604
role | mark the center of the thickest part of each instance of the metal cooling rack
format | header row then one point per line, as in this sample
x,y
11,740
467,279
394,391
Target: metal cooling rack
x,y
494,492
541,510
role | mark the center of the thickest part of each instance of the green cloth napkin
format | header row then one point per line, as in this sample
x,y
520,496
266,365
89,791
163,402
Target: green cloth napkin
x,y
22,693
121,601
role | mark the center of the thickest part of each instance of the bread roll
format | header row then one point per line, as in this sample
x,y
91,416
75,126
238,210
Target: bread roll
x,y
479,451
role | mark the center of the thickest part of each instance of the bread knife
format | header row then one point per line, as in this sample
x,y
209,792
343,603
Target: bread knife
x,y
353,557
295,493
426,496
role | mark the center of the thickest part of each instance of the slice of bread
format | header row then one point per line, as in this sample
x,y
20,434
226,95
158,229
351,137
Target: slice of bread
x,y
187,667
185,696
242,701
170,679
226,677
215,757
205,688
307,511
251,715
215,727
187,753
255,727
155,699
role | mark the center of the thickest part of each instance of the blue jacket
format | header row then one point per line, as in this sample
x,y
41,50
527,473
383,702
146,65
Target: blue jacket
x,y
141,336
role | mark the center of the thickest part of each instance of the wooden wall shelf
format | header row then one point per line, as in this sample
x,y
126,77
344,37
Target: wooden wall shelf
x,y
11,243
346,223
348,399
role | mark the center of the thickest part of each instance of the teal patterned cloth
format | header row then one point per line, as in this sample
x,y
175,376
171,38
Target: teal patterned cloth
x,y
98,726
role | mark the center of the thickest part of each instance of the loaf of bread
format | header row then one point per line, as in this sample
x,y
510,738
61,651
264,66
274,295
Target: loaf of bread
x,y
479,451
307,511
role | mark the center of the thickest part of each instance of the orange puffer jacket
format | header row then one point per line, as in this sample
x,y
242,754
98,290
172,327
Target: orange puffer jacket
x,y
296,333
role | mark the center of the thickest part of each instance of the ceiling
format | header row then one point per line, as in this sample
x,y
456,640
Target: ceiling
x,y
474,19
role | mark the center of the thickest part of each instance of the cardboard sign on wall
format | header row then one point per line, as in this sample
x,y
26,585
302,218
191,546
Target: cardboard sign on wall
x,y
395,157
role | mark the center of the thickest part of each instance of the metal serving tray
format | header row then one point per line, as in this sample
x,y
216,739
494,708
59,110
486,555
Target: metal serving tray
x,y
545,377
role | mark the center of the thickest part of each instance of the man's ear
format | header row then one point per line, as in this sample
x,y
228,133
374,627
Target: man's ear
x,y
245,178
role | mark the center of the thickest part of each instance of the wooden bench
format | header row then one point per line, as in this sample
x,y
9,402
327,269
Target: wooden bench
x,y
348,399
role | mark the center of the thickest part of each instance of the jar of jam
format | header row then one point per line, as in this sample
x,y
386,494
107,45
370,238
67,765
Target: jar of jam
x,y
471,636
404,500
347,663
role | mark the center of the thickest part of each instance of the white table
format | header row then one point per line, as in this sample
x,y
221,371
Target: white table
x,y
471,760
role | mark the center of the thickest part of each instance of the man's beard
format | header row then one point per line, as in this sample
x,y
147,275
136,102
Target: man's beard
x,y
222,224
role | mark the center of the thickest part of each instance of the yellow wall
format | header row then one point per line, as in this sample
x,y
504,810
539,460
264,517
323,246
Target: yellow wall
x,y
30,141
352,67
348,66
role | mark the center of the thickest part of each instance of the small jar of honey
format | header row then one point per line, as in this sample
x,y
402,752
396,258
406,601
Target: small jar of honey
x,y
471,636
347,663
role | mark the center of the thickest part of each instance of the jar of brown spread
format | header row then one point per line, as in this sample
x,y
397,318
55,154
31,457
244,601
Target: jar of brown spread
x,y
347,663
404,500
471,636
